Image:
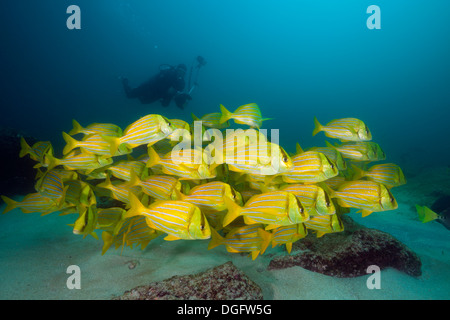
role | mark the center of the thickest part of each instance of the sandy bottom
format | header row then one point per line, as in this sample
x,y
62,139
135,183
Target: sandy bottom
x,y
36,251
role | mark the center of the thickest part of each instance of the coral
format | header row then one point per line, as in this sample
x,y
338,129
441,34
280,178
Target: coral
x,y
220,283
349,253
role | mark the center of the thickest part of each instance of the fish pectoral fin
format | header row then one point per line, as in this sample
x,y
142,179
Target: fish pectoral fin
x,y
365,212
271,226
171,238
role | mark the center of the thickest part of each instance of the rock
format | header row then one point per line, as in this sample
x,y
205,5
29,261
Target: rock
x,y
349,253
225,282
17,175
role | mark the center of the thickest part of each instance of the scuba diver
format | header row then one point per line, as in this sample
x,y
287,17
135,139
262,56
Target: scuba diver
x,y
168,84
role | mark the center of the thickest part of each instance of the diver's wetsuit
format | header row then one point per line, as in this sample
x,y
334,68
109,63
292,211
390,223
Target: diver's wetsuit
x,y
161,87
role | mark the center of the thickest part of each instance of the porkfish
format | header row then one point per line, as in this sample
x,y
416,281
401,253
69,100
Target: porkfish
x,y
251,238
248,114
368,196
179,219
346,129
274,209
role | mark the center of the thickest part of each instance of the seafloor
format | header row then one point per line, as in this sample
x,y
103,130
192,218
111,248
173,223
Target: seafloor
x,y
35,252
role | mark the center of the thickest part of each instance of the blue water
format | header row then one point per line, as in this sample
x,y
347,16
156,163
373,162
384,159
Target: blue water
x,y
296,59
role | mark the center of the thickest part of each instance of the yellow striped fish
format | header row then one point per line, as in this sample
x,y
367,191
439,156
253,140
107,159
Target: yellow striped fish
x,y
250,238
182,130
119,190
179,219
108,218
37,152
147,130
212,120
78,192
332,154
210,196
310,167
360,151
288,235
124,168
248,114
325,224
249,152
346,129
389,174
106,129
313,197
51,185
131,231
368,196
157,186
274,209
86,222
76,161
335,182
191,164
33,202
92,144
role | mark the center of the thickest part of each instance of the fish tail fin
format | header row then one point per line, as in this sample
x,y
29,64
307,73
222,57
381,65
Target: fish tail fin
x,y
136,206
317,127
107,241
154,158
114,143
10,204
266,239
358,172
25,148
331,193
426,214
71,143
226,115
234,210
178,194
329,145
77,128
216,239
134,179
50,161
194,117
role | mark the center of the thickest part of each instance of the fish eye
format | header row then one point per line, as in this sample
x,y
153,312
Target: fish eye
x,y
285,159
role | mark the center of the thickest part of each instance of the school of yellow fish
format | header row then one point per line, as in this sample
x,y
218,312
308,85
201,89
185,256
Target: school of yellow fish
x,y
240,190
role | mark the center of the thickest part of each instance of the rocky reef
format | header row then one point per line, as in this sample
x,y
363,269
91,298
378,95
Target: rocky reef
x,y
225,282
349,253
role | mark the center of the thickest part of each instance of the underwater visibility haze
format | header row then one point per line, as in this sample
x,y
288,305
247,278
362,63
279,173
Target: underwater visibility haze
x,y
361,150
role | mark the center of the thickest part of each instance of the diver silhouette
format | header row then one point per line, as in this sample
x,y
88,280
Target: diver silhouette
x,y
168,84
